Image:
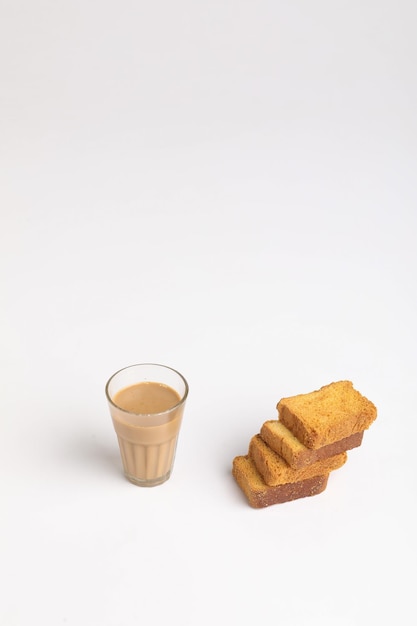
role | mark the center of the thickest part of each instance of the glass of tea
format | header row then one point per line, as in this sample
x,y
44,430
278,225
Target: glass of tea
x,y
146,404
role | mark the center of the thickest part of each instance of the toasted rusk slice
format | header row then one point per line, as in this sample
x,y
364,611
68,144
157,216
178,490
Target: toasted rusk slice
x,y
260,495
329,414
276,471
297,455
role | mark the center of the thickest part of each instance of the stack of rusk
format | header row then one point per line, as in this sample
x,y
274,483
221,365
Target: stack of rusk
x,y
293,455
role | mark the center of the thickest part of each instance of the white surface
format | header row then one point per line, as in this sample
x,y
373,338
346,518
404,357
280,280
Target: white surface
x,y
227,188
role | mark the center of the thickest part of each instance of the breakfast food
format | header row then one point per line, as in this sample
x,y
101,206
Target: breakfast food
x,y
291,457
327,415
296,454
260,495
276,471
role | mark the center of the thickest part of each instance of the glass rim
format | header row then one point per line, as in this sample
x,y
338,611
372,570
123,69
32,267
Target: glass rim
x,y
166,367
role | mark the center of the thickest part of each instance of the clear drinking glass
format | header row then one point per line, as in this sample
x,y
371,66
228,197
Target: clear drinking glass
x,y
146,404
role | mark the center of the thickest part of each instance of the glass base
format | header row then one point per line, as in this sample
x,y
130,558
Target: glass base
x,y
148,482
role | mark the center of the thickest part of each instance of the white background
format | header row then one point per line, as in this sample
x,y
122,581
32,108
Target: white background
x,y
228,188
